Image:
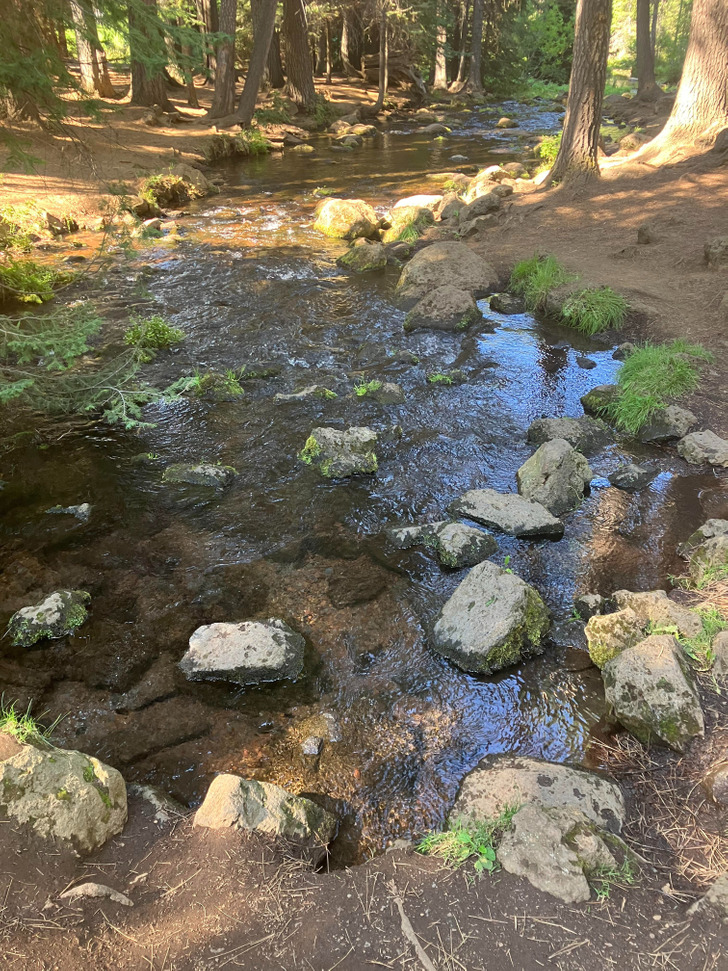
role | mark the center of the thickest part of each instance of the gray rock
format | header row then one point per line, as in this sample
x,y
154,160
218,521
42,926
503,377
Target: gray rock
x,y
166,809
445,308
623,351
250,652
64,795
456,545
516,169
556,475
159,681
710,558
492,621
474,226
346,219
364,257
388,393
655,607
609,634
450,206
716,784
82,512
507,303
441,264
84,891
596,401
508,513
585,363
502,191
587,435
310,391
631,477
667,424
709,530
312,745
715,901
482,206
651,691
235,803
338,454
704,448
719,647
503,781
589,605
403,220
57,615
716,251
199,474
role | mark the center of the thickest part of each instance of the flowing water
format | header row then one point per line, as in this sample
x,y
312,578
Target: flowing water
x,y
252,285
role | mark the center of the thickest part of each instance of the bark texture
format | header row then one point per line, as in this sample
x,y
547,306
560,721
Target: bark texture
x,y
263,25
223,100
475,80
439,81
298,64
148,58
647,88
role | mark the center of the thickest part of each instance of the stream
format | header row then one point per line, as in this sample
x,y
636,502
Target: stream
x,y
253,286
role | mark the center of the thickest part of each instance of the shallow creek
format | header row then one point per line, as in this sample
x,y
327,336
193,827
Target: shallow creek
x,y
252,285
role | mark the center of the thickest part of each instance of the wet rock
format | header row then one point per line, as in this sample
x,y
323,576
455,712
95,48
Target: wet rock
x,y
506,123
350,140
716,784
356,581
508,513
655,607
715,902
667,424
364,257
407,223
57,615
84,891
346,219
235,803
716,251
610,634
492,621
501,781
709,530
389,393
623,351
313,745
435,129
65,795
311,391
199,474
587,435
507,303
710,559
324,725
719,647
556,475
82,512
441,264
589,605
364,131
650,689
585,363
456,546
704,448
482,206
569,635
193,176
631,477
445,308
246,653
595,402
338,454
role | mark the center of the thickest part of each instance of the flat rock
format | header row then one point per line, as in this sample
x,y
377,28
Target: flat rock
x,y
631,477
655,607
441,264
235,803
587,435
199,474
704,448
651,691
503,781
310,391
250,652
82,512
556,475
444,308
57,615
508,513
667,424
84,891
493,620
356,581
339,454
456,545
609,634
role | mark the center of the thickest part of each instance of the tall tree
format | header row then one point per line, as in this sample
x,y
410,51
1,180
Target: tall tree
x,y
209,21
264,20
576,161
148,55
462,43
371,111
299,66
223,100
273,75
647,88
475,80
86,60
439,80
700,111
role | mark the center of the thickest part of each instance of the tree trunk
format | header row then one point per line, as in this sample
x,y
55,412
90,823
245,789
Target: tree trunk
x,y
346,36
463,43
299,67
700,111
264,24
146,40
577,157
320,53
328,50
85,52
439,82
62,40
223,100
383,63
475,80
653,27
274,75
208,16
104,88
647,89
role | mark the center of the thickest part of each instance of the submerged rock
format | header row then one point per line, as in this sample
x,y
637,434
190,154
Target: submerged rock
x,y
651,691
493,620
589,604
596,401
82,512
456,545
441,264
235,803
247,653
507,303
704,448
445,308
587,435
609,634
631,477
199,474
338,454
63,794
364,257
57,615
556,475
347,219
667,424
509,513
310,391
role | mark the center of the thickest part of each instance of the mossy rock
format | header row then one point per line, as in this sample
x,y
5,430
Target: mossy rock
x,y
57,615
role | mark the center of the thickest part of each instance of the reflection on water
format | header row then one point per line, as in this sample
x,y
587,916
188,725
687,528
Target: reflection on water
x,y
253,286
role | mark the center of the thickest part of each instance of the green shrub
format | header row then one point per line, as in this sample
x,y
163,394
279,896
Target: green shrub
x,y
548,148
592,311
534,279
151,334
276,114
26,281
248,142
323,111
167,190
468,838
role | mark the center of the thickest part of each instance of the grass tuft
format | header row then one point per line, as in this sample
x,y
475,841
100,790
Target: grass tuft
x,y
592,311
534,279
366,387
22,726
606,877
150,334
468,838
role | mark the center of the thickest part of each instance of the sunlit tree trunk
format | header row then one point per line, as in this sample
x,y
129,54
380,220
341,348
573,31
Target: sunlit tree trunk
x,y
439,82
207,14
84,50
223,100
383,62
647,89
463,42
328,50
298,64
104,86
475,80
263,24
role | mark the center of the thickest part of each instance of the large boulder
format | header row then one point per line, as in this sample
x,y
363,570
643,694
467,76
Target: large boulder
x,y
655,607
338,454
508,513
556,475
235,803
62,794
651,691
493,620
246,653
587,435
456,545
704,448
667,424
441,264
57,615
445,308
407,223
609,634
482,206
500,782
710,559
364,257
347,219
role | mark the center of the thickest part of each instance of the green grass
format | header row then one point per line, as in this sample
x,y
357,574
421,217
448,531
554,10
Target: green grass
x,y
438,378
22,725
548,148
534,88
653,376
276,114
151,334
26,281
408,234
323,112
592,311
467,839
247,142
618,875
534,279
366,387
698,648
